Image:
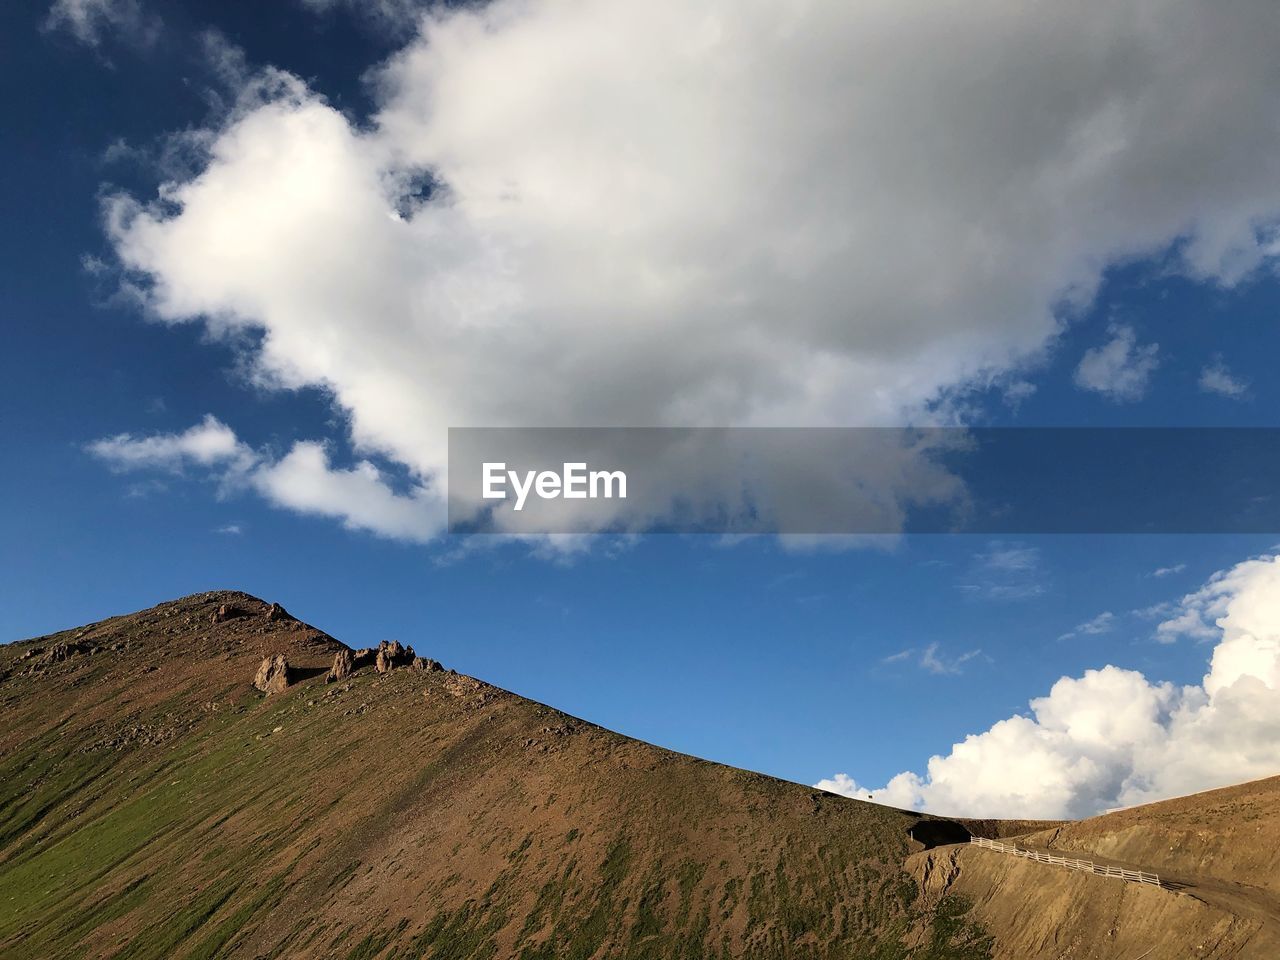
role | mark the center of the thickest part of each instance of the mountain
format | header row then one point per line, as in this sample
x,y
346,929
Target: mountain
x,y
155,803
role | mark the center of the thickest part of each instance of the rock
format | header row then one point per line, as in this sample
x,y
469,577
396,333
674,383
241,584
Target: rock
x,y
273,675
473,692
344,664
59,652
278,612
65,651
392,654
460,685
226,612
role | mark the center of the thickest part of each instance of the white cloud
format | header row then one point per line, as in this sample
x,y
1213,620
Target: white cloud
x,y
1009,557
1113,738
932,659
935,662
305,482
1119,369
395,15
1017,393
844,784
89,21
230,530
1217,378
302,480
210,443
798,214
1102,623
1169,571
1005,570
1198,615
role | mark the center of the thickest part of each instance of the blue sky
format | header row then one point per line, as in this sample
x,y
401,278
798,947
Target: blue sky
x,y
796,663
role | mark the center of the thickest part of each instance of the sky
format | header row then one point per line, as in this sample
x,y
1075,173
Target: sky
x,y
258,258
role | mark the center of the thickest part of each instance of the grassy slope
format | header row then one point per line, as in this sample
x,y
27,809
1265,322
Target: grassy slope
x,y
152,804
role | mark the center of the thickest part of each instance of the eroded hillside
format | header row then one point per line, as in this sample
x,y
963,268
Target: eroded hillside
x,y
1215,853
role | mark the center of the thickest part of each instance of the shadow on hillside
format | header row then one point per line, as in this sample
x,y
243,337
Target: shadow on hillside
x,y
938,833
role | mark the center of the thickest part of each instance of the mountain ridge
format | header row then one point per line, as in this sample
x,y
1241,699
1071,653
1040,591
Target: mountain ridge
x,y
156,804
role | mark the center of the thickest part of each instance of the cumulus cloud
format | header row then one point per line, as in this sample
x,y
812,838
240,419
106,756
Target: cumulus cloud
x,y
1197,616
805,214
1114,738
844,784
303,480
1217,378
89,21
1119,369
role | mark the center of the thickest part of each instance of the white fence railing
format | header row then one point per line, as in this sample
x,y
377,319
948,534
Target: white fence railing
x,y
1088,866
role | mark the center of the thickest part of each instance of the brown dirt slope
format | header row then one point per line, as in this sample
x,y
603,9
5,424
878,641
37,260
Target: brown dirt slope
x,y
1041,912
1217,853
154,804
1232,834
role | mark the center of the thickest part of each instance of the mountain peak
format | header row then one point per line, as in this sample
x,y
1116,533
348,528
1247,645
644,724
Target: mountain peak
x,y
423,813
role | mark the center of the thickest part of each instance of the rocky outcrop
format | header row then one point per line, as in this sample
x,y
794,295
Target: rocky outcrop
x,y
392,654
65,651
41,658
273,675
388,655
227,611
277,612
344,664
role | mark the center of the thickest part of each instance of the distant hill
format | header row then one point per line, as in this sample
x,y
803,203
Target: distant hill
x,y
1215,852
154,803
